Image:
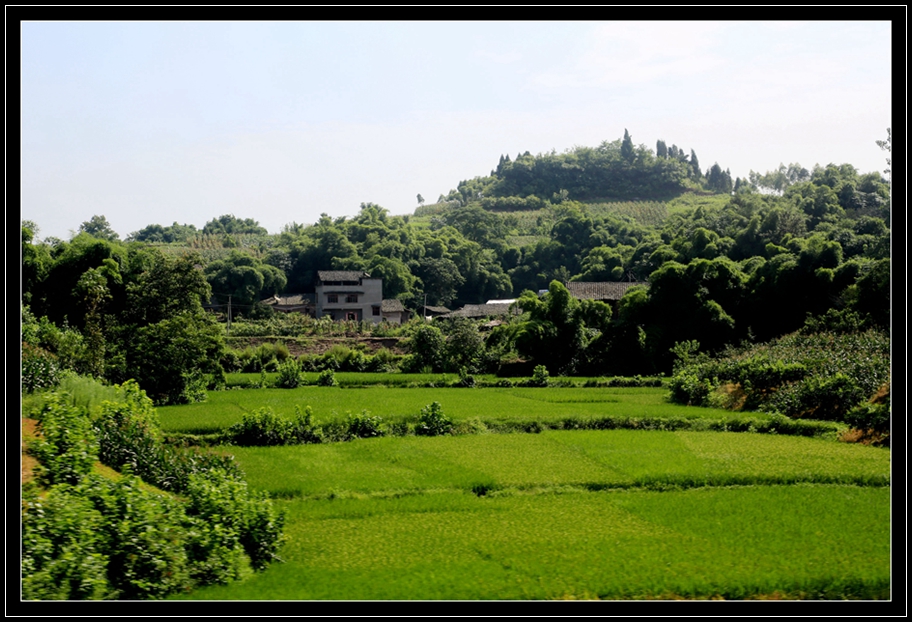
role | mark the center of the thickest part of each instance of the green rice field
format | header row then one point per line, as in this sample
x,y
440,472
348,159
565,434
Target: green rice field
x,y
560,514
224,408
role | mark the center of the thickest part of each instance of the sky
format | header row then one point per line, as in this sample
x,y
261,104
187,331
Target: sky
x,y
162,122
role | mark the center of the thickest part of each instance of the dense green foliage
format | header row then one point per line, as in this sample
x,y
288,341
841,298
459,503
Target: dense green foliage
x,y
91,537
734,264
816,375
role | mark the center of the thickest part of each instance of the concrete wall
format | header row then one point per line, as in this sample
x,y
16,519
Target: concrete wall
x,y
369,296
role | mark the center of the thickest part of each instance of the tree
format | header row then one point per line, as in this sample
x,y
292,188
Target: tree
x,y
227,223
886,145
555,331
695,165
99,227
464,347
661,149
427,348
93,289
420,199
163,286
627,150
172,358
440,279
244,277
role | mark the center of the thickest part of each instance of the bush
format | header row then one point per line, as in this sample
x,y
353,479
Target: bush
x,y
62,547
261,428
290,375
327,378
128,434
67,447
539,377
465,379
687,387
432,421
822,397
97,538
144,538
40,370
238,527
364,425
303,429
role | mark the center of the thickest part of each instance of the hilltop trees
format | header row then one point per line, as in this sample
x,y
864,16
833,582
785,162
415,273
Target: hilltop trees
x,y
788,243
99,227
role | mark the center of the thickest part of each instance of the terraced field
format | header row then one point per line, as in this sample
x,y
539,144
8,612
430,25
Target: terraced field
x,y
606,514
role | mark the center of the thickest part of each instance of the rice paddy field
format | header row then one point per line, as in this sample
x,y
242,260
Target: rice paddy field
x,y
558,514
393,404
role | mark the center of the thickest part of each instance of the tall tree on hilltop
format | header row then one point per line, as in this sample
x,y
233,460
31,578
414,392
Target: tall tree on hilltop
x,y
695,165
627,150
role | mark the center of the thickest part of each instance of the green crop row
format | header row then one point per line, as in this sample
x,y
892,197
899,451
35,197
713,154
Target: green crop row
x,y
496,407
812,542
591,460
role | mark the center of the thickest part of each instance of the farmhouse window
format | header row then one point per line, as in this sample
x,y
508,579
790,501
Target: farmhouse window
x,y
376,310
351,298
331,298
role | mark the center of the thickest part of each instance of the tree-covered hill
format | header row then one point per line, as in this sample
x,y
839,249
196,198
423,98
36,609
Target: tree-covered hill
x,y
745,264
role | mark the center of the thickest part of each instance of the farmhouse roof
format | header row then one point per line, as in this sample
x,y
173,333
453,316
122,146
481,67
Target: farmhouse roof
x,y
290,300
342,275
603,290
431,310
483,310
391,305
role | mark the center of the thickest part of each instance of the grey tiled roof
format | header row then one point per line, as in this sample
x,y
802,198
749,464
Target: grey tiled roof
x,y
604,290
391,305
341,275
290,300
482,310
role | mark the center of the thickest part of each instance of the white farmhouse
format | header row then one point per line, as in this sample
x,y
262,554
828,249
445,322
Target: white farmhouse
x,y
349,295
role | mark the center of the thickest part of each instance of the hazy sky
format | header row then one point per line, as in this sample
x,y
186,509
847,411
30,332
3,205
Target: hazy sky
x,y
280,121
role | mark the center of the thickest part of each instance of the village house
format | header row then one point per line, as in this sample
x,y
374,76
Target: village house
x,y
349,295
603,291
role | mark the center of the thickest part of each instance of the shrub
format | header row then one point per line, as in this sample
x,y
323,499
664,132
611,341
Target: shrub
x,y
128,434
539,377
40,370
144,538
261,428
871,418
236,527
687,387
67,447
364,425
303,429
290,375
465,379
194,388
432,421
327,378
819,397
62,547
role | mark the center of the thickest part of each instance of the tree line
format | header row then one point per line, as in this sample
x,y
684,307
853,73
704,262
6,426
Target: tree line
x,y
777,248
